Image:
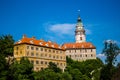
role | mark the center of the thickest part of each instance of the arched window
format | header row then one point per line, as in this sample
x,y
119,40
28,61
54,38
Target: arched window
x,y
80,38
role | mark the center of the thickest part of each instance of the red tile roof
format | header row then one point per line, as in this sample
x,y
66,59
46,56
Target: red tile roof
x,y
33,41
86,45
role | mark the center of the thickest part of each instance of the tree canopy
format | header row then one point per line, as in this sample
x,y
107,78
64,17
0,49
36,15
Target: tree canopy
x,y
6,45
111,50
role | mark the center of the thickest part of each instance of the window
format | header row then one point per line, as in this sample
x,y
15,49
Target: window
x,y
27,47
85,50
61,64
60,51
32,61
41,62
81,55
17,48
53,51
32,48
42,68
69,51
86,55
45,62
45,55
91,55
45,50
53,56
16,53
37,68
56,51
60,57
49,50
91,50
41,55
37,62
36,49
36,54
20,52
80,38
41,49
32,54
75,55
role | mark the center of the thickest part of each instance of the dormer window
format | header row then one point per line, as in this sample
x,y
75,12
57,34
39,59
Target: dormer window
x,y
40,43
46,45
52,46
31,41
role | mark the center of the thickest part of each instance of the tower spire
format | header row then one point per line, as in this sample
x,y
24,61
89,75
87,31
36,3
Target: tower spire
x,y
80,32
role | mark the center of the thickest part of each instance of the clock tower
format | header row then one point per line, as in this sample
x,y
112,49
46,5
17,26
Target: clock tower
x,y
80,31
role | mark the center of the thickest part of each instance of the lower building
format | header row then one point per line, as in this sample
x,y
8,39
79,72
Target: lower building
x,y
40,53
80,51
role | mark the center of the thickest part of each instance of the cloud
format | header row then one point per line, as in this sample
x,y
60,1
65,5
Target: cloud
x,y
65,28
62,28
100,55
88,31
112,41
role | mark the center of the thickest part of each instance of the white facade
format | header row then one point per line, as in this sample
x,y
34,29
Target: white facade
x,y
81,54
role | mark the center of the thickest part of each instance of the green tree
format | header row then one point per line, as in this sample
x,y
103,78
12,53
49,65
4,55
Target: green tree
x,y
116,75
3,68
76,74
6,45
54,67
21,70
111,51
47,74
66,76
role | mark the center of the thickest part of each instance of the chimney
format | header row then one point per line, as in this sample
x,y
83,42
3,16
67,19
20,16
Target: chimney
x,y
24,36
33,37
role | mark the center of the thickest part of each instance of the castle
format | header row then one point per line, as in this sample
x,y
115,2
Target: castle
x,y
80,50
40,52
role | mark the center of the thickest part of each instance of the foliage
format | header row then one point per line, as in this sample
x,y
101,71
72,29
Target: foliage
x,y
3,68
21,70
82,70
111,51
66,76
6,45
116,75
54,67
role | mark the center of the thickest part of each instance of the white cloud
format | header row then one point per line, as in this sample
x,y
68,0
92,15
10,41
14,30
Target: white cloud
x,y
62,28
65,28
88,31
112,41
100,55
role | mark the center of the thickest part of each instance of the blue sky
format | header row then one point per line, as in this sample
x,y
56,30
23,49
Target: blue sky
x,y
55,20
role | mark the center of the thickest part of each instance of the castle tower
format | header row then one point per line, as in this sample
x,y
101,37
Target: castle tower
x,y
80,31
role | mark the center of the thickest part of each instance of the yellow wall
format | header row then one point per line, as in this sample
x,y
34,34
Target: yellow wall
x,y
40,56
